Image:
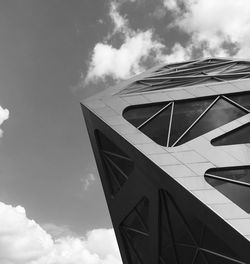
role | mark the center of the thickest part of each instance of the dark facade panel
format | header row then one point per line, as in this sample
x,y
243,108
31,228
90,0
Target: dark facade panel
x,y
118,166
185,239
155,219
135,232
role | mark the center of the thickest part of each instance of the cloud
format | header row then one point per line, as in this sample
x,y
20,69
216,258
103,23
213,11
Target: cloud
x,y
120,22
172,5
213,28
128,59
159,12
58,231
24,241
125,61
87,181
4,115
178,53
21,240
98,247
216,27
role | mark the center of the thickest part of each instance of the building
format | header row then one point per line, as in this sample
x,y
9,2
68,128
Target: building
x,y
172,146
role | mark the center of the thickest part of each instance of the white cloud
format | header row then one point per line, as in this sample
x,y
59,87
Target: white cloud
x,y
4,115
98,247
171,5
215,25
127,60
58,231
120,22
87,181
216,28
137,48
178,53
21,240
24,241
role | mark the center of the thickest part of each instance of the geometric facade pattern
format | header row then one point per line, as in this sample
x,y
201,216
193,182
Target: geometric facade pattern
x,y
135,232
161,121
232,182
184,239
118,164
191,73
173,154
240,135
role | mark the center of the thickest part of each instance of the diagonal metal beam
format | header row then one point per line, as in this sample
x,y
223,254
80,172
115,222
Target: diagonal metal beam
x,y
222,256
226,179
170,123
154,115
236,104
196,121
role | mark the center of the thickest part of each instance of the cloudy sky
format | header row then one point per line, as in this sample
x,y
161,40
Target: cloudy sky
x,y
53,53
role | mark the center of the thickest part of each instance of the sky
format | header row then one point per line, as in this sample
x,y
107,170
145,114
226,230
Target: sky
x,y
54,53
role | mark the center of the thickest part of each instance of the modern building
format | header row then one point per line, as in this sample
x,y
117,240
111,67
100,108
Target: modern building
x,y
172,146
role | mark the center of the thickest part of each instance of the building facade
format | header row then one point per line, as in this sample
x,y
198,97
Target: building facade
x,y
172,147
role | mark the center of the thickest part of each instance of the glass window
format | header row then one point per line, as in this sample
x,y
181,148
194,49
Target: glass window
x,y
241,99
219,114
174,123
233,183
136,115
239,135
185,113
157,128
241,174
